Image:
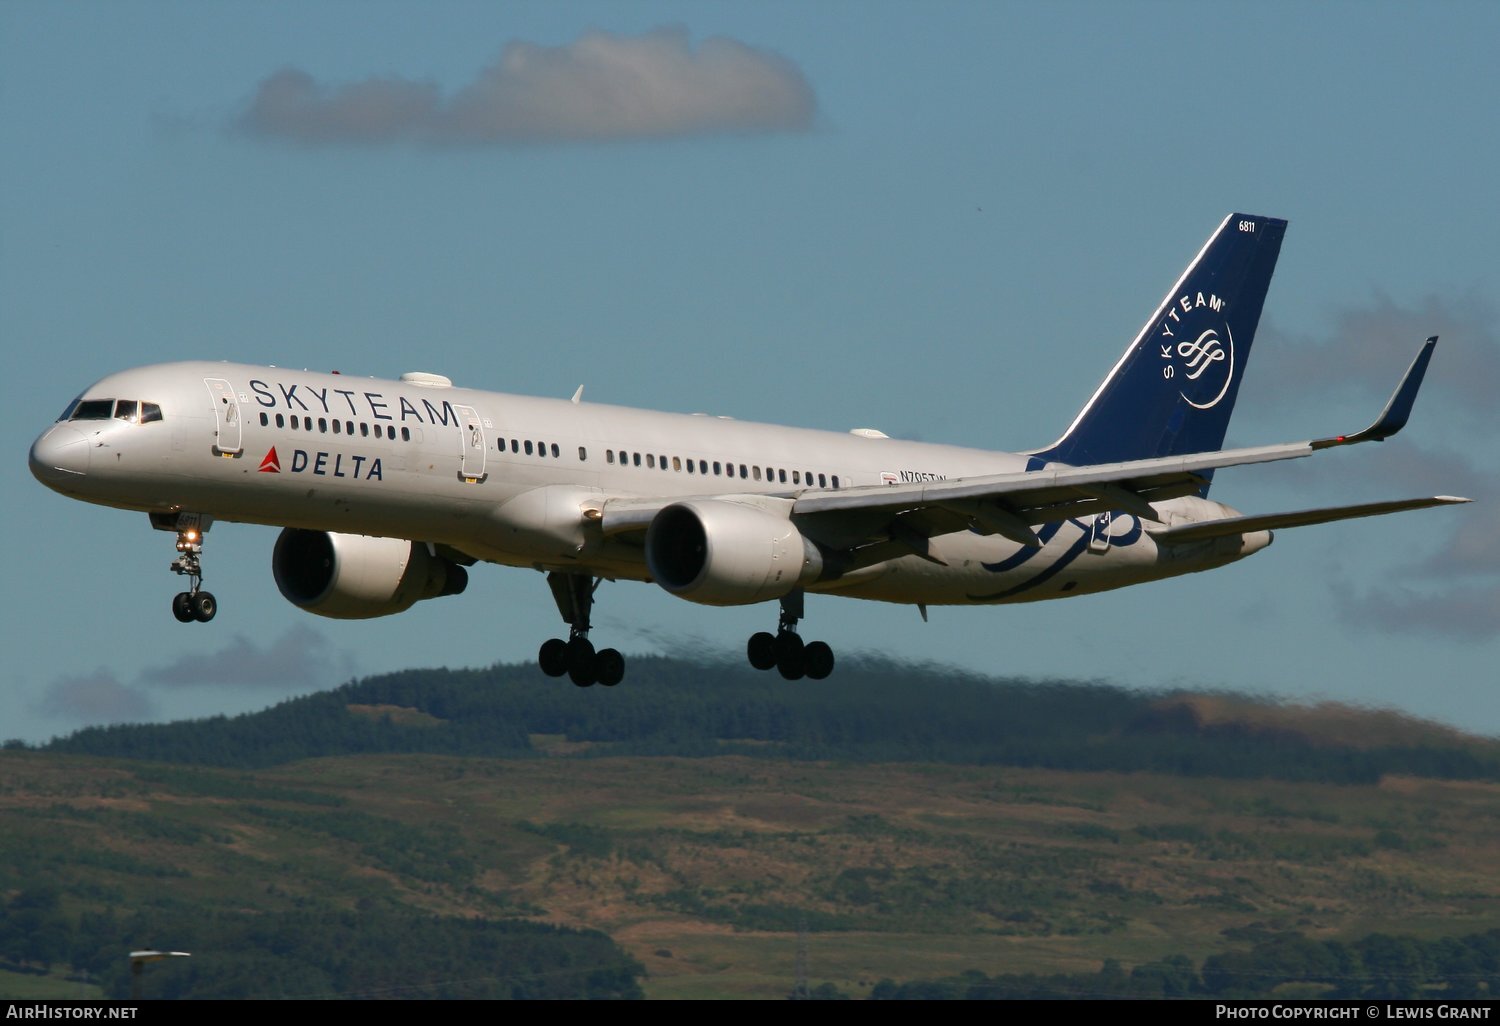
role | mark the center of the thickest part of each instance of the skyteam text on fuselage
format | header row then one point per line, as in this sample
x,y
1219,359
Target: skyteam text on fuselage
x,y
388,490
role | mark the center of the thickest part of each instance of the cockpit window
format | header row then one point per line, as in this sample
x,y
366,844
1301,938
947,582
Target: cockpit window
x,y
131,411
93,409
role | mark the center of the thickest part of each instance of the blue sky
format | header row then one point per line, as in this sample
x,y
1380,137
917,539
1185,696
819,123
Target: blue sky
x,y
941,220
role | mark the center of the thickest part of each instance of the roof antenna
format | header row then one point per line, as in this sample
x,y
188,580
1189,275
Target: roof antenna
x,y
578,395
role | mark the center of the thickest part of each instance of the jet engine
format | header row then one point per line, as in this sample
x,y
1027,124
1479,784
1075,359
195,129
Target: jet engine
x,y
725,553
354,577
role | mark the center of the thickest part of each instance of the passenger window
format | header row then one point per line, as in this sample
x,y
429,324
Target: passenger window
x,y
677,464
265,419
349,427
822,481
515,447
757,473
336,428
323,425
406,434
835,480
150,413
125,410
583,455
307,423
689,465
541,448
364,430
703,466
796,477
661,461
650,461
390,432
528,447
294,423
635,458
716,468
744,474
556,452
781,476
609,456
280,421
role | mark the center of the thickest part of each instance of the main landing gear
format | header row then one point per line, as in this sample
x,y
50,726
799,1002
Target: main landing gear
x,y
574,594
785,650
195,604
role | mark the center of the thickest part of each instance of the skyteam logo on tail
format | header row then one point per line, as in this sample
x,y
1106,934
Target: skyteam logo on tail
x,y
1197,347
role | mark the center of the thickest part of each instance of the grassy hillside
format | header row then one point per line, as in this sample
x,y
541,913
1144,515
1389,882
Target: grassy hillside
x,y
703,869
877,711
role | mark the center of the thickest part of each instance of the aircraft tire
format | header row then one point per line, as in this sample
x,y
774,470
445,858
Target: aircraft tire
x,y
818,658
792,667
609,667
553,657
204,606
762,650
581,662
182,607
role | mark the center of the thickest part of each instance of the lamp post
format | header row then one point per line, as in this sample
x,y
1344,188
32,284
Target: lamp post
x,y
138,960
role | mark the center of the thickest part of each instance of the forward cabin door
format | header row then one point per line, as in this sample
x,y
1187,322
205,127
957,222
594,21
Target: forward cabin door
x,y
471,445
226,416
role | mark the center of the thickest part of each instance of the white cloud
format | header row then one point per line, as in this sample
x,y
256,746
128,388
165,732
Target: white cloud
x,y
599,87
94,698
299,658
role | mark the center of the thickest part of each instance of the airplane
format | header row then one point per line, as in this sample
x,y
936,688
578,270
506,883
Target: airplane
x,y
387,491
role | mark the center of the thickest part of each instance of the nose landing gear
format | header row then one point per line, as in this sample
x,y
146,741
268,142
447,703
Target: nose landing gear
x,y
195,604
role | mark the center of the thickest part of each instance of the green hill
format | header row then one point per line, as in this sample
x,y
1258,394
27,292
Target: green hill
x,y
492,834
876,711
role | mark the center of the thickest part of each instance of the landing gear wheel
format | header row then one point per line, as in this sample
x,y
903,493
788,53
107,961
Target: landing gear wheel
x,y
182,607
818,659
609,667
553,657
204,606
762,650
790,660
581,662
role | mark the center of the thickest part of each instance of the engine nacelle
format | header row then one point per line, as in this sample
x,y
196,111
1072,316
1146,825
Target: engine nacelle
x,y
725,553
354,577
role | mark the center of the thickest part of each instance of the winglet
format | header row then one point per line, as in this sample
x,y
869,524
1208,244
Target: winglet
x,y
1393,418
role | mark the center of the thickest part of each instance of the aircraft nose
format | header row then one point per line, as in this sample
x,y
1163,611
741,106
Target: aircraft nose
x,y
60,455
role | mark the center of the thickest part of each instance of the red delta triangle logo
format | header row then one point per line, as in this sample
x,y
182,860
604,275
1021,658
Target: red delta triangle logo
x,y
271,464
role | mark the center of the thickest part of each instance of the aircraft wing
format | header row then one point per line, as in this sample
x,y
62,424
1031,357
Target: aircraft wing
x,y
1276,521
881,521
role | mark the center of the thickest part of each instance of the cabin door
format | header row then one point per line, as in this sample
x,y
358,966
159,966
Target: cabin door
x,y
226,416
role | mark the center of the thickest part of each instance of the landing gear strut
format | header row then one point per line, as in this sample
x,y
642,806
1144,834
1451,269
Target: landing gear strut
x,y
574,594
785,650
195,604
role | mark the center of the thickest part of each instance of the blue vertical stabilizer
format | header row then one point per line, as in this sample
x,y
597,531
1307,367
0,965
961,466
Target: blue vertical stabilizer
x,y
1173,390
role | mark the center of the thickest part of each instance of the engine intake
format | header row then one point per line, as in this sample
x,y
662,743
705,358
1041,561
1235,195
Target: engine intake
x,y
725,553
355,577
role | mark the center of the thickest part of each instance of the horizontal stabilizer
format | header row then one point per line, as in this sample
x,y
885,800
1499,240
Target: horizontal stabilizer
x,y
1275,521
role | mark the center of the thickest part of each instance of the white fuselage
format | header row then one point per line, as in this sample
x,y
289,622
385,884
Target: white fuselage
x,y
519,481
